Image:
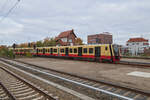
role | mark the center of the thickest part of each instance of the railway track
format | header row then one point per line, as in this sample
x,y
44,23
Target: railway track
x,y
5,94
138,64
13,87
93,88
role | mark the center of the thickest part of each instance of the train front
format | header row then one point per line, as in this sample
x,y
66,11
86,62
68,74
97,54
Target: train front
x,y
116,53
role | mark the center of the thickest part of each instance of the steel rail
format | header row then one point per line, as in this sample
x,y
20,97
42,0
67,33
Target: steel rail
x,y
30,84
8,92
139,64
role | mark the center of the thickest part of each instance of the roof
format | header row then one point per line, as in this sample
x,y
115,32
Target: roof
x,y
66,33
61,42
104,33
137,40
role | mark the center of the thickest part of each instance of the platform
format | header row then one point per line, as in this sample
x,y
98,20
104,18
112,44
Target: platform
x,y
101,71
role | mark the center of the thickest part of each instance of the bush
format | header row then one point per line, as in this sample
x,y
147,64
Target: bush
x,y
5,52
28,55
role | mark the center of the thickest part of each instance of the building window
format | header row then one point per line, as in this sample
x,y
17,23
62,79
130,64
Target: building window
x,y
85,50
64,39
132,43
70,40
90,50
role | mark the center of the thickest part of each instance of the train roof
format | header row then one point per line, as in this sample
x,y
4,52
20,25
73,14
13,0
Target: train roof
x,y
66,46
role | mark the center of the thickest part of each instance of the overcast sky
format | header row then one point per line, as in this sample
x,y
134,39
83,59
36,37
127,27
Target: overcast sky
x,y
34,20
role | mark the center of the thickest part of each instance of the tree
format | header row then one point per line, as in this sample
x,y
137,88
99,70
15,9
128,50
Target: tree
x,y
78,41
39,44
49,42
5,52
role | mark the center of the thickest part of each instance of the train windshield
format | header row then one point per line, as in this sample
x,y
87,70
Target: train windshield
x,y
116,50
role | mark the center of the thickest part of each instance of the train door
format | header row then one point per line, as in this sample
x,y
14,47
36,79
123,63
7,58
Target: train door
x,y
51,51
116,52
66,51
43,50
58,51
79,51
97,53
37,51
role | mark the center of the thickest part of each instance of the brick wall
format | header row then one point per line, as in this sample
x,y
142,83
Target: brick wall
x,y
71,36
100,39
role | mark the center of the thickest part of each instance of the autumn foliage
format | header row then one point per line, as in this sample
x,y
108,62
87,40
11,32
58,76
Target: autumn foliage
x,y
46,42
79,41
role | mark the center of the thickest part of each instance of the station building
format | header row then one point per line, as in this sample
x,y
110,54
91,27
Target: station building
x,y
66,38
137,45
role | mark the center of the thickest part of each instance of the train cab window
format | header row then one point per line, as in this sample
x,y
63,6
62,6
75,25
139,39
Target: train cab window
x,y
75,50
70,50
90,50
62,50
85,50
55,50
106,48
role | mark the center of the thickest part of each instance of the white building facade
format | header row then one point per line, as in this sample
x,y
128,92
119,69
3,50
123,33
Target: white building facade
x,y
137,45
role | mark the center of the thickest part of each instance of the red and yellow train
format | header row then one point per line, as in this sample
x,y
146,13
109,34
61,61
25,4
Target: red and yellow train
x,y
105,52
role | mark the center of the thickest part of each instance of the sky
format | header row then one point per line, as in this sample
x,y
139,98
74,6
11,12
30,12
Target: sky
x,y
34,20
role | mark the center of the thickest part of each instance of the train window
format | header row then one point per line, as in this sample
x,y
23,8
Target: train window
x,y
90,50
48,50
70,50
85,50
41,50
45,50
106,48
62,50
75,50
55,50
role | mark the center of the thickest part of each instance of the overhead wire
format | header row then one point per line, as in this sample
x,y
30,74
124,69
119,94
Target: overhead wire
x,y
9,11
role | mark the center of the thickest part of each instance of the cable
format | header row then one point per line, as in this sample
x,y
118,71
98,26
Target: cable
x,y
10,10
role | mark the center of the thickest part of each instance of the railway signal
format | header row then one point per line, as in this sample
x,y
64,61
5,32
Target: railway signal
x,y
14,46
